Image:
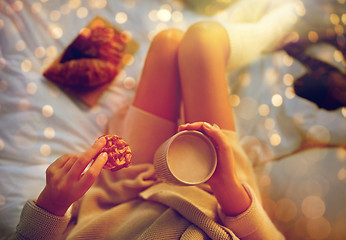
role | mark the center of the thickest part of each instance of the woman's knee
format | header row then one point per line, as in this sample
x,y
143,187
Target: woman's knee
x,y
207,34
167,39
207,27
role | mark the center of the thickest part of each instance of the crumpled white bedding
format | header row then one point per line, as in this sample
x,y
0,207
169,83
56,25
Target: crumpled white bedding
x,y
39,122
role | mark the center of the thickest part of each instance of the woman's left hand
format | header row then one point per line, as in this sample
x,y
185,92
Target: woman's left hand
x,y
225,184
225,166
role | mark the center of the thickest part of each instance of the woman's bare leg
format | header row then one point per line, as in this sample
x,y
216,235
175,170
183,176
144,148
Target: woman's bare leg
x,y
159,88
202,59
158,94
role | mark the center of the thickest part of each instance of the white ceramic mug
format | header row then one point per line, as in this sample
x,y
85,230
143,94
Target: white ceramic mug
x,y
187,158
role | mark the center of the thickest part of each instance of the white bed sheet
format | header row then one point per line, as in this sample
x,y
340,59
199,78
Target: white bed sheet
x,y
305,195
39,122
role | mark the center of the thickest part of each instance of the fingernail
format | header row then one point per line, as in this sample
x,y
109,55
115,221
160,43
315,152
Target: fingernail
x,y
216,126
101,139
207,125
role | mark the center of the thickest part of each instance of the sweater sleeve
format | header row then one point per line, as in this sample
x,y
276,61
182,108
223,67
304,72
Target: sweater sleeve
x,y
36,223
252,224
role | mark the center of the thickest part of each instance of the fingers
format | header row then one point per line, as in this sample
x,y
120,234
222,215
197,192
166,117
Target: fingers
x,y
99,162
60,162
212,131
94,150
86,157
92,173
68,165
215,133
192,126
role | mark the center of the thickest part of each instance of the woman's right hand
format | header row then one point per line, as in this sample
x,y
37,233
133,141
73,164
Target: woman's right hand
x,y
67,179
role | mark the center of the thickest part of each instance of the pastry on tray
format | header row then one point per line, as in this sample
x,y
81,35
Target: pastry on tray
x,y
92,61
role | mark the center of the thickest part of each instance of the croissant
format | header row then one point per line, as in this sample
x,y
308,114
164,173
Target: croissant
x,y
90,60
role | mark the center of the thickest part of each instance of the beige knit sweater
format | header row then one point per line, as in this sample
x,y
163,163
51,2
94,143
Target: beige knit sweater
x,y
133,204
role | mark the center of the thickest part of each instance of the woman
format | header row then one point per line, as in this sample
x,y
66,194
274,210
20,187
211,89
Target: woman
x,y
188,68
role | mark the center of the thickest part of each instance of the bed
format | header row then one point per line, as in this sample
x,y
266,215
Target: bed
x,y
298,149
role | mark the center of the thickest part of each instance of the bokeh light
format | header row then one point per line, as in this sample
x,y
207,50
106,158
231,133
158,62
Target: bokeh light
x,y
65,9
55,31
121,17
24,105
2,199
54,15
313,207
265,180
177,16
2,63
20,45
319,133
45,150
98,4
318,228
300,8
153,16
317,186
287,60
26,65
269,123
31,88
275,139
2,144
128,59
164,14
47,111
277,100
288,79
51,51
3,85
129,83
244,79
36,7
101,119
126,36
264,110
40,52
49,132
343,18
338,57
341,154
290,93
247,108
234,100
334,18
313,36
286,210
271,76
343,111
342,174
74,4
82,12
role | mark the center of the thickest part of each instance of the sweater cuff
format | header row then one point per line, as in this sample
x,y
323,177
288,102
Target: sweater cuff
x,y
254,223
37,223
